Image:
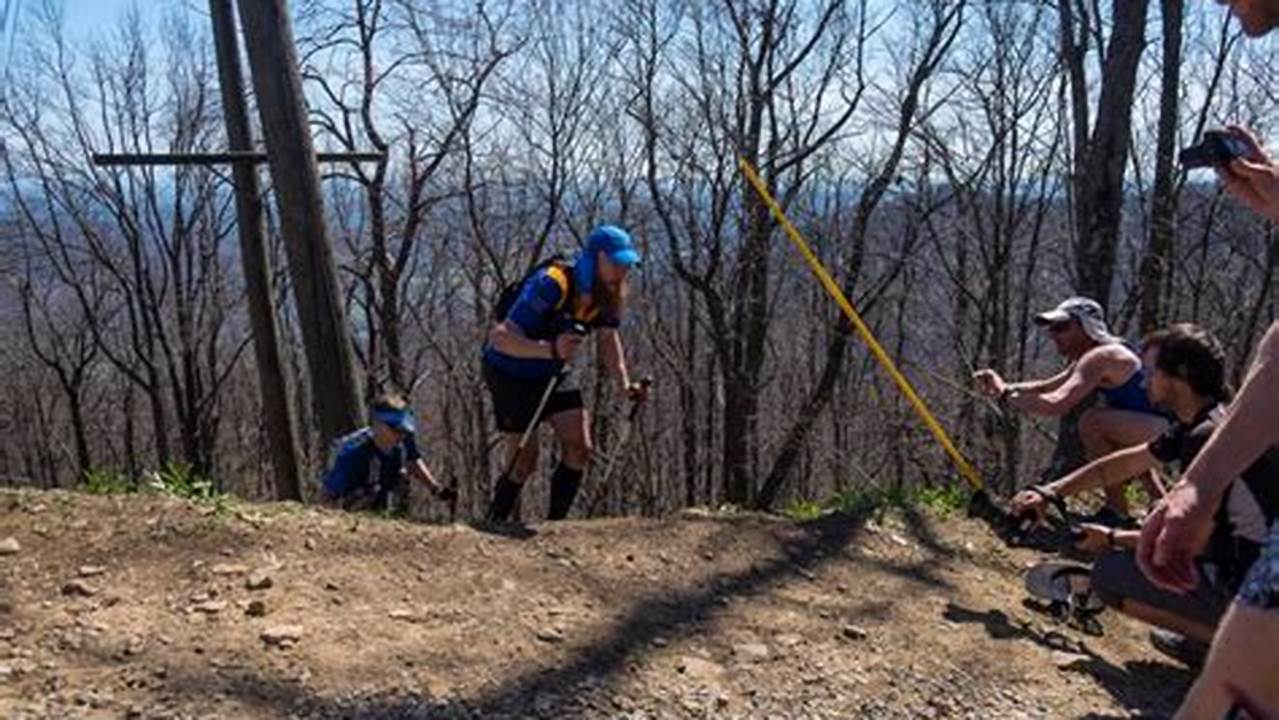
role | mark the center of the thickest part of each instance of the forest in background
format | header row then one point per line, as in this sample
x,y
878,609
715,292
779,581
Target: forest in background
x,y
958,164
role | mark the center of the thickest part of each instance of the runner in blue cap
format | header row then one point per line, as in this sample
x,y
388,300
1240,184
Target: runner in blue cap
x,y
540,325
371,464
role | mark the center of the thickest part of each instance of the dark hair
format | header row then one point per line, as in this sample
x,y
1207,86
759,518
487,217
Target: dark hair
x,y
1192,353
390,402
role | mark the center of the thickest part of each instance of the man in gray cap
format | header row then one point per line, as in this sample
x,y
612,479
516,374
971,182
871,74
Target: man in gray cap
x,y
1099,362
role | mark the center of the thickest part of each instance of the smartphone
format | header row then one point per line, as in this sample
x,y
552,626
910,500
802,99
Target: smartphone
x,y
1217,147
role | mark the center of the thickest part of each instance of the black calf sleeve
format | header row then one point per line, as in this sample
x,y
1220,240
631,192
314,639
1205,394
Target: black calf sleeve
x,y
505,496
564,486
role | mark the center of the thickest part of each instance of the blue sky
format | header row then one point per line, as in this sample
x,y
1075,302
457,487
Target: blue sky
x,y
84,16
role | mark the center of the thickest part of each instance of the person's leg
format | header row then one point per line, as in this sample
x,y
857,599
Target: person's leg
x,y
1166,619
1103,431
509,486
572,428
1244,660
1119,583
514,407
1244,657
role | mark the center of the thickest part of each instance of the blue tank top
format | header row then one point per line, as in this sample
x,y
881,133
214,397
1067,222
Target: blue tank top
x,y
1131,395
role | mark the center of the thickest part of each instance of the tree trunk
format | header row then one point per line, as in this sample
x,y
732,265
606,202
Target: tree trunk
x,y
277,414
1100,185
277,84
1157,259
130,432
159,426
75,393
688,403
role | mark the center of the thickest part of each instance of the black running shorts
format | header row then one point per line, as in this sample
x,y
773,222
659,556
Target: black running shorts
x,y
515,399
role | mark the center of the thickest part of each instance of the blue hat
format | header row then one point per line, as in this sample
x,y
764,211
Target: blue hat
x,y
614,242
401,420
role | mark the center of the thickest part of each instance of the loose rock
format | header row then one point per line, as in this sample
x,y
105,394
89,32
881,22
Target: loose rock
x,y
282,635
228,569
79,588
259,580
699,669
852,632
753,652
550,635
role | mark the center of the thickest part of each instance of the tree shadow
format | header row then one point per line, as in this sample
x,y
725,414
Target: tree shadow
x,y
1152,688
567,689
1139,685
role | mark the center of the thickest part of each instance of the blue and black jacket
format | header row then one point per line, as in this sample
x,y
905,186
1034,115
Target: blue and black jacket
x,y
550,301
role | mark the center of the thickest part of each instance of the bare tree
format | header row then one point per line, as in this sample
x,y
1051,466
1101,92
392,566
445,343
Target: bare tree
x,y
1101,146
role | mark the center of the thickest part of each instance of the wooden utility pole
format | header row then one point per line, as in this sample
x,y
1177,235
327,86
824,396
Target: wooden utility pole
x,y
325,336
277,413
277,84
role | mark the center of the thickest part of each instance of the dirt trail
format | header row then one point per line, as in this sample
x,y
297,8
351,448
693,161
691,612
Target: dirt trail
x,y
148,607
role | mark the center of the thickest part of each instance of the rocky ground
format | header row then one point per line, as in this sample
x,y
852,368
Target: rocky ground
x,y
150,607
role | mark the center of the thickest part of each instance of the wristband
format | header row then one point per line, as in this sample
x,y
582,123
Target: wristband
x,y
1044,492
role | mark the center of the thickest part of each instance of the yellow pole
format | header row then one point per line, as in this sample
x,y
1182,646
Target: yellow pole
x,y
930,421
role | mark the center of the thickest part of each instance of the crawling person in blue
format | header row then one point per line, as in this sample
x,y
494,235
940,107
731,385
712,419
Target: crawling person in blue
x,y
528,352
1098,362
370,465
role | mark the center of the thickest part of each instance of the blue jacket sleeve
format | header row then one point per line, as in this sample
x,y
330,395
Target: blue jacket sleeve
x,y
535,307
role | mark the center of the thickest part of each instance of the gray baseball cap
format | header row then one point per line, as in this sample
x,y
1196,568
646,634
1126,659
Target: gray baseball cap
x,y
1089,313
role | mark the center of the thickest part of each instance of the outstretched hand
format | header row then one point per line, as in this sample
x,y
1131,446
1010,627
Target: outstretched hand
x,y
989,383
638,391
1253,180
1029,503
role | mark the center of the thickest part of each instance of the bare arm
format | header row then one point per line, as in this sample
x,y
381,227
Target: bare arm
x,y
1102,472
422,474
1098,539
1081,379
1106,471
1127,539
609,344
1038,387
507,338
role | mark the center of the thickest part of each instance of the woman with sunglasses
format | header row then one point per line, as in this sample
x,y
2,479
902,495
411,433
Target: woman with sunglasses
x,y
1098,362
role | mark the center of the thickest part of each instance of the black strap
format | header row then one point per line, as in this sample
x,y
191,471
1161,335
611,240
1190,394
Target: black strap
x,y
1051,498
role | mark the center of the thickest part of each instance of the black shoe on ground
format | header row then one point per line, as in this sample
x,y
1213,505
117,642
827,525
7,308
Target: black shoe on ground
x,y
1187,651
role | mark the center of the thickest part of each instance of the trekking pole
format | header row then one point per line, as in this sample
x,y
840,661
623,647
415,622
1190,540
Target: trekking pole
x,y
626,433
577,329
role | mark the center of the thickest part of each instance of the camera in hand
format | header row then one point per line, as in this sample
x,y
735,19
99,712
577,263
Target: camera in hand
x,y
1218,147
